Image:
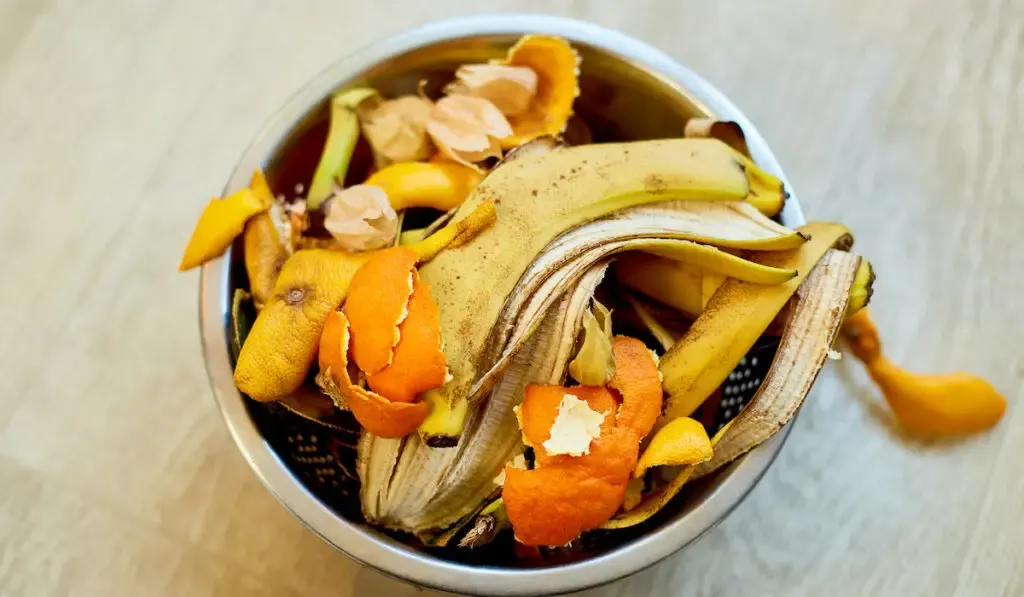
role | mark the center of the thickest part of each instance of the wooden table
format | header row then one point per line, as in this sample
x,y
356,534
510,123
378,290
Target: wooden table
x,y
901,118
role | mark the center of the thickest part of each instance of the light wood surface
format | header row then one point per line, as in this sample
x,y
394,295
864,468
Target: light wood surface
x,y
119,119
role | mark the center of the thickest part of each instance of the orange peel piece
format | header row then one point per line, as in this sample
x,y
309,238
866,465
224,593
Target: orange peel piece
x,y
220,223
539,409
940,404
377,303
683,441
558,67
637,380
553,504
439,185
418,364
374,412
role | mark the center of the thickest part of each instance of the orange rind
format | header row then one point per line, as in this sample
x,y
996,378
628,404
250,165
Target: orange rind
x,y
554,504
375,413
637,380
539,409
377,303
418,364
557,66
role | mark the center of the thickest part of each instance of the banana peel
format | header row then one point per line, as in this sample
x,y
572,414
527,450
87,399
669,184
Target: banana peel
x,y
734,319
803,350
342,136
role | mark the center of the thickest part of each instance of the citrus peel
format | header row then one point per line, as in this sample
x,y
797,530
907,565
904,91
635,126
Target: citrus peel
x,y
557,66
939,405
553,504
220,223
681,442
266,241
540,408
637,380
375,413
418,364
377,303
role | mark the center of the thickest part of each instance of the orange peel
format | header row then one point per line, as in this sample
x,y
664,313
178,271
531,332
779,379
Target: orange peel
x,y
418,364
557,66
377,303
553,504
940,405
539,409
637,380
374,412
220,223
439,185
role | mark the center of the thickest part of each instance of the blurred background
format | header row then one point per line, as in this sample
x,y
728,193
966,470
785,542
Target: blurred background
x,y
120,119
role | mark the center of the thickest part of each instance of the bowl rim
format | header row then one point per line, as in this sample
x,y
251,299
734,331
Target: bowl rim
x,y
375,549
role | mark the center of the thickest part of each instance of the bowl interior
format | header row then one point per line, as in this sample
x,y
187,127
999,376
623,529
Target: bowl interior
x,y
620,100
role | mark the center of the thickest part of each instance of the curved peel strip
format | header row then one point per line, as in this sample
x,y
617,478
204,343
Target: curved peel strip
x,y
803,350
636,379
221,221
266,242
557,66
681,442
734,319
438,185
418,364
375,413
377,303
719,262
341,142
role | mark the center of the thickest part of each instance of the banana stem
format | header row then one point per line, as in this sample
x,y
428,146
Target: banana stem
x,y
341,142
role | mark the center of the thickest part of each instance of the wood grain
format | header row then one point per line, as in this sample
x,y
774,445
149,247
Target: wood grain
x,y
901,118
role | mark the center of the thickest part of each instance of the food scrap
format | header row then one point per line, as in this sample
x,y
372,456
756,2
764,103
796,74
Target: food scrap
x,y
443,278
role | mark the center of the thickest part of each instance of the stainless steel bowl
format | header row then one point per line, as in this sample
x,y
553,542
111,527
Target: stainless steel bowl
x,y
630,90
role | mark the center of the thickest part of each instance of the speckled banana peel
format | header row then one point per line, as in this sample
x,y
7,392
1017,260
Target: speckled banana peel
x,y
809,333
540,196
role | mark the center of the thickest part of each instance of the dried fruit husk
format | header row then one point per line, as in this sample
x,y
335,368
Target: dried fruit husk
x,y
594,364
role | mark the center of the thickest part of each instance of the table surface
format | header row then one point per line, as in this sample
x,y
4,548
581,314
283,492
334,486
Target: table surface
x,y
901,118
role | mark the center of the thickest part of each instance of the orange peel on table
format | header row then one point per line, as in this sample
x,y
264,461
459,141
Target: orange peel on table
x,y
637,380
558,67
418,364
375,413
540,407
282,344
377,303
220,223
939,405
439,185
554,504
682,441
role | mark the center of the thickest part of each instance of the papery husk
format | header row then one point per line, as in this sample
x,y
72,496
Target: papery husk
x,y
594,364
396,129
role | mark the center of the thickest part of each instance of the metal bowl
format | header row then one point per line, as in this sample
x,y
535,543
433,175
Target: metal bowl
x,y
629,91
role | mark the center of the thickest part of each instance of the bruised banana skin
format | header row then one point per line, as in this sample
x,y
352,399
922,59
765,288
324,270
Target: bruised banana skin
x,y
537,197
